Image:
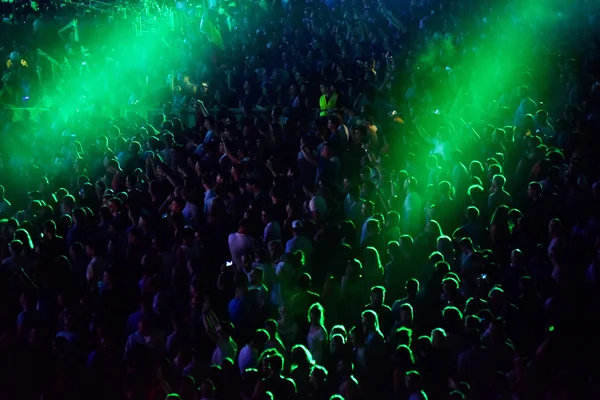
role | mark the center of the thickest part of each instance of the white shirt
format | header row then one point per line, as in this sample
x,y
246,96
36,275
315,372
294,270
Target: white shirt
x,y
209,196
240,245
317,204
225,349
155,341
299,243
190,212
317,344
272,232
96,268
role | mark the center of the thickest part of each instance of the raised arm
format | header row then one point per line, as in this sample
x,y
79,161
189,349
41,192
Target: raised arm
x,y
422,132
383,200
392,19
202,108
65,28
209,318
471,130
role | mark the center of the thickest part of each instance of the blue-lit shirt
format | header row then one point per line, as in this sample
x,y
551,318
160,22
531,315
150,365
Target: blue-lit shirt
x,y
363,232
353,210
327,171
209,196
299,243
75,234
209,136
238,310
200,149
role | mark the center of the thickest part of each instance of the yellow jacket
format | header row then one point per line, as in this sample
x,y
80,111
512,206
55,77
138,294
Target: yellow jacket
x,y
327,105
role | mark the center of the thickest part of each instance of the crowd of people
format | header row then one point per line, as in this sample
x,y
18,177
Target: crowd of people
x,y
339,200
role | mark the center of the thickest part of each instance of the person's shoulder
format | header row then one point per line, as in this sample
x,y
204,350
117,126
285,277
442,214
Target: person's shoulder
x,y
246,351
290,383
464,355
261,386
281,265
399,302
508,345
133,336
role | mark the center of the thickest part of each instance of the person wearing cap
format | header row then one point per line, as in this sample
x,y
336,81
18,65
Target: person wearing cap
x,y
299,241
